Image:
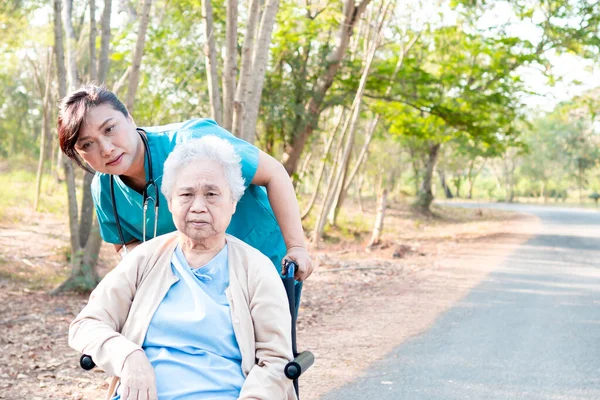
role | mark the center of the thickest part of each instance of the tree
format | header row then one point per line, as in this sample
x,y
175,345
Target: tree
x,y
83,274
372,124
44,148
310,107
134,76
103,59
259,65
456,85
338,184
83,227
583,150
210,57
230,64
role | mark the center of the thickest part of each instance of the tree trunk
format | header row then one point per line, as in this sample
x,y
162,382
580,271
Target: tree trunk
x,y
245,71
122,81
72,204
425,195
364,151
84,247
326,151
361,158
313,109
457,184
87,210
445,186
472,177
45,132
134,76
580,168
93,72
331,189
304,169
378,226
364,25
542,194
92,247
510,165
354,117
69,174
359,186
210,56
84,275
105,42
73,79
57,163
414,161
259,67
230,67
61,72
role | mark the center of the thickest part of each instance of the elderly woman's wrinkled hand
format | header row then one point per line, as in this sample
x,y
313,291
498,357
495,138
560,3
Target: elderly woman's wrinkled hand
x,y
300,255
138,381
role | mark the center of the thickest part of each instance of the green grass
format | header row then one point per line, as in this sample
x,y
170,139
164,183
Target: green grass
x,y
42,279
39,277
19,193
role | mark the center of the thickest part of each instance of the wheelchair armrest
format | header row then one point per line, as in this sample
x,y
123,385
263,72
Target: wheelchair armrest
x,y
299,365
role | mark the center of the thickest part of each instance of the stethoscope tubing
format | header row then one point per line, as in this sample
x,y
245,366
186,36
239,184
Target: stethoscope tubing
x,y
145,196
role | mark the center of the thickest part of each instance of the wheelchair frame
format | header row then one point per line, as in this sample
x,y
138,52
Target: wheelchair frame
x,y
295,368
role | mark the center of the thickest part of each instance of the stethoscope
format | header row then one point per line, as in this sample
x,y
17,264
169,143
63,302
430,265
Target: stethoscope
x,y
145,195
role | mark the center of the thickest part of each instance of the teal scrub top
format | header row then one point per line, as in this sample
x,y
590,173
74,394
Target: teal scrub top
x,y
253,221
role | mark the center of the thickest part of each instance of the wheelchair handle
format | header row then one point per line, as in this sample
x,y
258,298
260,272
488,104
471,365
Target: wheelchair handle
x,y
86,362
291,269
298,365
290,289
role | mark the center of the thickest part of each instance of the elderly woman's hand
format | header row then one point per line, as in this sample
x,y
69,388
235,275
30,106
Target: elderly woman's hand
x,y
300,255
138,381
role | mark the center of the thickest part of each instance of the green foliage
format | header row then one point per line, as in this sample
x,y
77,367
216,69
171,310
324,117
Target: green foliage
x,y
457,86
302,39
460,84
22,51
563,151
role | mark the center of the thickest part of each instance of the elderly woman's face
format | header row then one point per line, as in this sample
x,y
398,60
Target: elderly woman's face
x,y
201,201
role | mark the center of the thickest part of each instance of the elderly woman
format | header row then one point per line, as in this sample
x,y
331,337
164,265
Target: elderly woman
x,y
194,314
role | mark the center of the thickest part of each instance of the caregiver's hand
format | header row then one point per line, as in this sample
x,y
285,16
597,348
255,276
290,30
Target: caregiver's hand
x,y
300,255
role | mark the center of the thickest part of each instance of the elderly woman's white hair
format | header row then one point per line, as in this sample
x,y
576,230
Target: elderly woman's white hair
x,y
206,148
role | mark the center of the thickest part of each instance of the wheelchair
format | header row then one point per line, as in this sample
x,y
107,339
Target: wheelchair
x,y
295,368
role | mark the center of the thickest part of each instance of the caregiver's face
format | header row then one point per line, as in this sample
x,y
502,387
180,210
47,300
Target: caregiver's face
x,y
108,141
201,201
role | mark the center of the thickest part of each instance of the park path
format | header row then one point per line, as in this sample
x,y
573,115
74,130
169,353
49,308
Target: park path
x,y
529,330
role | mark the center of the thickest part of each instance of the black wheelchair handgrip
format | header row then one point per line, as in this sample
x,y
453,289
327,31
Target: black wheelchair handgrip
x,y
86,362
299,365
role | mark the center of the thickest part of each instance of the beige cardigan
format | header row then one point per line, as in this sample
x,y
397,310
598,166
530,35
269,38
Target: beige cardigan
x,y
114,322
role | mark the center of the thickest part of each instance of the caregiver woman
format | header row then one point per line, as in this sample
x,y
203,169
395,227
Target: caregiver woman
x,y
96,131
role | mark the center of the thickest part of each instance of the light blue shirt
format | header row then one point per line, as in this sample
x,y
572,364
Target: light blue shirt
x,y
190,341
253,222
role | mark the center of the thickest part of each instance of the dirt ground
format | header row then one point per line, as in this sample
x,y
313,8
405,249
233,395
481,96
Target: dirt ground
x,y
356,307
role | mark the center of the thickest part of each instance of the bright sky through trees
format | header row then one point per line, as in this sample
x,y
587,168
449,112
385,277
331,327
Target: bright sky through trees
x,y
573,75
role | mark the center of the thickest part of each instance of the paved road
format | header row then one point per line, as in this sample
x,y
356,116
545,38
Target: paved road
x,y
530,330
